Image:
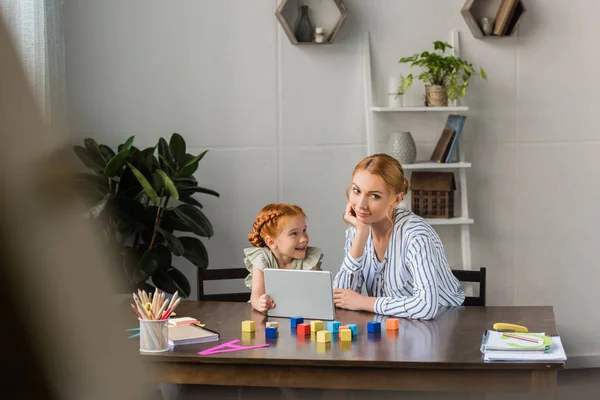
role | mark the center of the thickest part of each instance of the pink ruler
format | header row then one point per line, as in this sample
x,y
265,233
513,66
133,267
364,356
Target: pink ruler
x,y
229,347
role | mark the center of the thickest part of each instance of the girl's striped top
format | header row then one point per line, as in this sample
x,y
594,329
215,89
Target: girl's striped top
x,y
412,280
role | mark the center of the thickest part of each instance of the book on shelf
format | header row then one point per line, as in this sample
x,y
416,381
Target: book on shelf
x,y
455,122
514,18
443,146
507,7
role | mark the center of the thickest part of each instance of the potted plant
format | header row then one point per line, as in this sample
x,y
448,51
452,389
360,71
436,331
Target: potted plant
x,y
446,77
140,198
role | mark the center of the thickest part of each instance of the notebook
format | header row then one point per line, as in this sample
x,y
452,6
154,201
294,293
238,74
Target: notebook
x,y
556,352
190,334
521,342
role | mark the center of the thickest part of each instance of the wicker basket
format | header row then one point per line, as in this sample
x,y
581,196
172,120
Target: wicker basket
x,y
436,96
433,194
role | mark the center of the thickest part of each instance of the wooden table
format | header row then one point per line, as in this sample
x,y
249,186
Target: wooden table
x,y
438,355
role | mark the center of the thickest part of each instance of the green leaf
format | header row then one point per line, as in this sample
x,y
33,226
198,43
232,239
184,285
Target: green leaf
x,y
94,149
145,184
165,164
168,184
171,280
188,190
149,263
406,82
195,251
177,148
483,74
172,241
132,213
88,158
107,151
127,145
163,150
192,165
195,220
116,163
191,201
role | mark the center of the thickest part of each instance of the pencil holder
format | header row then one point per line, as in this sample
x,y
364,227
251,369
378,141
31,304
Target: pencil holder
x,y
154,335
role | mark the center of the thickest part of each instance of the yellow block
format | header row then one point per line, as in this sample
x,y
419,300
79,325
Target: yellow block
x,y
346,335
248,326
323,336
316,326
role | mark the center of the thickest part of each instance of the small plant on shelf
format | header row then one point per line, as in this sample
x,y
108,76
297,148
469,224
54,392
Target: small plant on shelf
x,y
446,77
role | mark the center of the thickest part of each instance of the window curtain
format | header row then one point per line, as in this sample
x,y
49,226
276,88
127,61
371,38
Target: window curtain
x,y
37,32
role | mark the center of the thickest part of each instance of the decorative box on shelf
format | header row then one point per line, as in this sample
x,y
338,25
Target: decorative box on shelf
x,y
326,18
433,194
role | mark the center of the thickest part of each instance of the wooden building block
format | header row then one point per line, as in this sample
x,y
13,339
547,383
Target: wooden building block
x,y
353,328
316,326
334,326
392,324
345,335
303,329
294,321
272,324
271,332
374,327
323,337
248,326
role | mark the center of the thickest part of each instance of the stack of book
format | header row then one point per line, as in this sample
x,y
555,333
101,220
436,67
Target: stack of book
x,y
526,347
508,17
447,143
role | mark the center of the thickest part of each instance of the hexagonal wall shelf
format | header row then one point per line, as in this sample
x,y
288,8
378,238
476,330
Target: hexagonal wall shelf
x,y
496,10
329,14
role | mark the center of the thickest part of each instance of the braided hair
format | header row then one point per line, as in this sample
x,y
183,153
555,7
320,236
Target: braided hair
x,y
270,220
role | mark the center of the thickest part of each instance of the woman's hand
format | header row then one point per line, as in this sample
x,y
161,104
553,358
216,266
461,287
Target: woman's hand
x,y
265,303
350,216
348,299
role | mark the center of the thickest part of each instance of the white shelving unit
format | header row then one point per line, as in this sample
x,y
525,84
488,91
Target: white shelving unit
x,y
463,221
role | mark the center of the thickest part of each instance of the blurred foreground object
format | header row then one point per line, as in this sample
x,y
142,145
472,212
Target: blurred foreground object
x,y
62,334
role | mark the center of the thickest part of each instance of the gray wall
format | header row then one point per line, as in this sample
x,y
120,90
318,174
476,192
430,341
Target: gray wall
x,y
286,123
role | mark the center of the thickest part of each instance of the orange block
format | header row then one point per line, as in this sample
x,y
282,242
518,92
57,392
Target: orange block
x,y
392,324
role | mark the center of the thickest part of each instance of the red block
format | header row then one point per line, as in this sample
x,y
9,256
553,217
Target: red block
x,y
303,329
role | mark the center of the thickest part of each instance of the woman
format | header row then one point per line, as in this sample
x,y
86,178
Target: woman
x,y
395,253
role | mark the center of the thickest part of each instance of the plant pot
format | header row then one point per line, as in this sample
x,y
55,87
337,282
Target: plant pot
x,y
436,96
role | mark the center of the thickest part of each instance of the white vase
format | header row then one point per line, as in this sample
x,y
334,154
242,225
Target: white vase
x,y
402,147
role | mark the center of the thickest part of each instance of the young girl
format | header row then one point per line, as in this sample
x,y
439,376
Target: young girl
x,y
280,241
396,254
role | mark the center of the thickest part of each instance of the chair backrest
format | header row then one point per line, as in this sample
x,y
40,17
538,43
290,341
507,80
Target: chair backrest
x,y
473,276
222,274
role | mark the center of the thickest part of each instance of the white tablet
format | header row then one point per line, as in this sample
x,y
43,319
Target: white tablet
x,y
297,293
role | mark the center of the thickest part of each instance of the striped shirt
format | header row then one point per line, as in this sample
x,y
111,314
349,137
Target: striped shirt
x,y
412,280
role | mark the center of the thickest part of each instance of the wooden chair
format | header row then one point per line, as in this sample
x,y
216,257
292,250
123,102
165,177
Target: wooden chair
x,y
221,274
473,276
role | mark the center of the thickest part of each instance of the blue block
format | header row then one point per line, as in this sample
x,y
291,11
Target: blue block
x,y
271,332
334,326
294,321
374,327
354,329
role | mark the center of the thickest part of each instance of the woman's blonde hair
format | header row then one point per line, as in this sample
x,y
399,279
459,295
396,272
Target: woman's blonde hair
x,y
386,167
270,220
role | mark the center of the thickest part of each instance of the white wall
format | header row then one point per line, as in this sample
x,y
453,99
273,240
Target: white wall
x,y
286,123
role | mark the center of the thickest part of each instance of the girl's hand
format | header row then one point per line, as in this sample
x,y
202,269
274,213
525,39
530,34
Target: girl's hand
x,y
348,299
265,303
